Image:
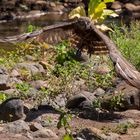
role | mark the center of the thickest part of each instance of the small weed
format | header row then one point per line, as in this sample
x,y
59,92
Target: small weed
x,y
116,102
64,122
123,127
3,97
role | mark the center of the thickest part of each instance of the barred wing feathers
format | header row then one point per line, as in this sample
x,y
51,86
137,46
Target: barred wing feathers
x,y
83,35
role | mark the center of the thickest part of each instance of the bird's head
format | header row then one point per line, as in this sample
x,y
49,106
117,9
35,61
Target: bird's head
x,y
83,23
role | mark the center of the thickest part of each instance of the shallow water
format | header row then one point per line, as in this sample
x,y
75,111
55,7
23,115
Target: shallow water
x,y
16,27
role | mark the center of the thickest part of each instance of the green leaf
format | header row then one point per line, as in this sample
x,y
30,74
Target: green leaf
x,y
67,137
98,11
2,97
107,1
77,12
92,7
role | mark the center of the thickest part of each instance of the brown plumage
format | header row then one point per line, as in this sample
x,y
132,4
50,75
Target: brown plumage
x,y
83,35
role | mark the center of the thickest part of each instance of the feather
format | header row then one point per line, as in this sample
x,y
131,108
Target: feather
x,y
83,35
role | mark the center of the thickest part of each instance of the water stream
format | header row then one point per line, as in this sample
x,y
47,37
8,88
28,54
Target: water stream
x,y
16,27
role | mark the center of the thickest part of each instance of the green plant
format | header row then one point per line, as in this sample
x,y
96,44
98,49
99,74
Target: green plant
x,y
116,102
23,87
31,28
122,128
127,40
97,12
96,103
64,53
64,122
3,97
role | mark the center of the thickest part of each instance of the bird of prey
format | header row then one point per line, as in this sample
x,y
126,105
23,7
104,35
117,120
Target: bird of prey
x,y
84,35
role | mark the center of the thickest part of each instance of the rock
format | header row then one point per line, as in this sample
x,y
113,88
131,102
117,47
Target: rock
x,y
99,92
39,84
29,135
8,91
12,109
44,133
3,71
126,121
52,4
136,15
33,68
14,80
82,100
135,2
96,134
131,95
35,126
102,69
29,57
17,127
116,5
3,82
40,5
15,73
131,7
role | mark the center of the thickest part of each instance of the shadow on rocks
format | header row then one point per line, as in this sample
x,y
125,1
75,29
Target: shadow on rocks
x,y
42,109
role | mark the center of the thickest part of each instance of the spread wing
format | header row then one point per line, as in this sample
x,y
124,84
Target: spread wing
x,y
53,34
88,38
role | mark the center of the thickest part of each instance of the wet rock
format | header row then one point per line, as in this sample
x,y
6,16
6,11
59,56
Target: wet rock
x,y
16,127
44,133
12,109
82,100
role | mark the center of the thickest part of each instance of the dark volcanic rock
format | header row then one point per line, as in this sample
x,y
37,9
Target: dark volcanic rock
x,y
12,109
82,100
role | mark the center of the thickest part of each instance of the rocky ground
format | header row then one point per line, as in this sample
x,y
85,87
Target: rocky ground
x,y
29,112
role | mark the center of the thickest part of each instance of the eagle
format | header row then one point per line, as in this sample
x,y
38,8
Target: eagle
x,y
84,35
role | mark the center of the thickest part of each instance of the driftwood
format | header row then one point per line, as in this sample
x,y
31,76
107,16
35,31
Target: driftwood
x,y
84,35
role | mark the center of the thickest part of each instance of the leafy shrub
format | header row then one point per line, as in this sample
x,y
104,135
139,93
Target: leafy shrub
x,y
128,42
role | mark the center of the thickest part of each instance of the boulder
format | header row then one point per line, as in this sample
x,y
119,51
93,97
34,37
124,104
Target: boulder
x,y
17,127
116,5
12,109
